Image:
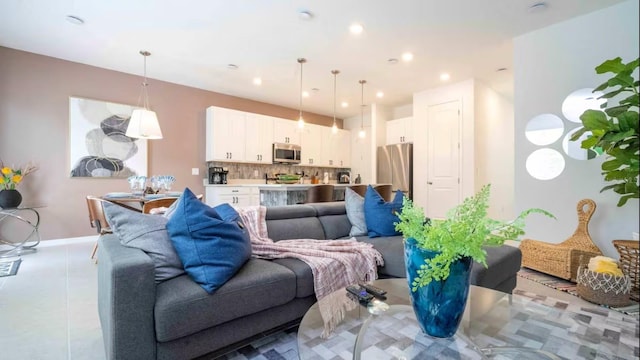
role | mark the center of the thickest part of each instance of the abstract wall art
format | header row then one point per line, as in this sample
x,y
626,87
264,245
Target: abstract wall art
x,y
98,146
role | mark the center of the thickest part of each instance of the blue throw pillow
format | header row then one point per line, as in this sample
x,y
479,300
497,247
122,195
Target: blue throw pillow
x,y
380,215
212,247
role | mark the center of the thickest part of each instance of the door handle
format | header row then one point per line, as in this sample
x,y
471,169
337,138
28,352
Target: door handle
x,y
429,183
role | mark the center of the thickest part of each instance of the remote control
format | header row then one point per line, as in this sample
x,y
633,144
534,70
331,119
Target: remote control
x,y
360,293
375,291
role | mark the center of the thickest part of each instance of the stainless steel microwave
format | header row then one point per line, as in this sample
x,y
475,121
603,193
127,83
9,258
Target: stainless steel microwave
x,y
286,153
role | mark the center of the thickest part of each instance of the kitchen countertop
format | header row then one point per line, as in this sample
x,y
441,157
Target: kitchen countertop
x,y
279,186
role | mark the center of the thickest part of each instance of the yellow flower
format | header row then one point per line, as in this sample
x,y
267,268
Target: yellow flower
x,y
16,178
6,170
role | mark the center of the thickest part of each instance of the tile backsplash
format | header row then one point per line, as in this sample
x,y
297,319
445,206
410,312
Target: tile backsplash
x,y
248,171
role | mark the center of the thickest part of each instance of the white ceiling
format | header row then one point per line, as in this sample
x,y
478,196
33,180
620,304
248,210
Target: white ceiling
x,y
193,41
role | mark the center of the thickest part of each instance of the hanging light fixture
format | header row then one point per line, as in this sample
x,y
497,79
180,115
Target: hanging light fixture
x,y
334,128
300,118
144,122
362,133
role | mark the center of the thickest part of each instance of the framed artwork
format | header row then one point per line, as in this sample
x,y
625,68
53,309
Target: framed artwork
x,y
98,146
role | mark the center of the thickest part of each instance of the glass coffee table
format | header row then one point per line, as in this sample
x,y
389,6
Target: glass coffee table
x,y
495,326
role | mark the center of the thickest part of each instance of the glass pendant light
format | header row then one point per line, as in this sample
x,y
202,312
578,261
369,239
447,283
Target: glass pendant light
x,y
334,128
362,133
300,118
144,122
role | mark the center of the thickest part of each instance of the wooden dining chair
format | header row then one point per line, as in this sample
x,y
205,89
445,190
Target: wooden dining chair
x,y
319,193
156,203
384,191
97,219
359,189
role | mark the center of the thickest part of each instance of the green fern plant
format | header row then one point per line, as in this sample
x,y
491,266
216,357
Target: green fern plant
x,y
464,233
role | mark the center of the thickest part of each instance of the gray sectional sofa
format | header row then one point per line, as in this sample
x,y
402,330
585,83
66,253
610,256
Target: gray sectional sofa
x,y
177,319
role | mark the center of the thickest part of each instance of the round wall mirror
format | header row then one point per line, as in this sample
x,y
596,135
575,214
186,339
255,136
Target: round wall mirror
x,y
544,129
573,149
579,101
545,164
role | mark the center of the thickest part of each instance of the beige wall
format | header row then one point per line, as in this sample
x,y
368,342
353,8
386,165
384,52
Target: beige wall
x,y
34,126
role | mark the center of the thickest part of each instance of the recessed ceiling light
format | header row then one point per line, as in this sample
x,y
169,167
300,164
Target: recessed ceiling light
x,y
257,81
344,104
232,66
356,28
305,15
392,61
75,20
305,94
379,94
445,77
537,7
407,56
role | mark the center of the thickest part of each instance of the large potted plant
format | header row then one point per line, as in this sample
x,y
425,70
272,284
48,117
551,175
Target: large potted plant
x,y
614,130
439,255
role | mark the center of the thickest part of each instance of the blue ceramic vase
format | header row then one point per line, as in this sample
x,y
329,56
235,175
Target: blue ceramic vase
x,y
439,306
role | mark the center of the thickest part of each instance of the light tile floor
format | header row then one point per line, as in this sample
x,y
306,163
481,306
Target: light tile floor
x,y
49,309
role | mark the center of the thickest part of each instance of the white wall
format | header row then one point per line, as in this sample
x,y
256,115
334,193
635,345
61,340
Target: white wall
x,y
379,115
402,111
494,150
360,148
464,92
548,65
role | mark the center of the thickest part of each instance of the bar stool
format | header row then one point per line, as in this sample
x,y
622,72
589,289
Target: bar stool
x,y
384,191
359,189
319,193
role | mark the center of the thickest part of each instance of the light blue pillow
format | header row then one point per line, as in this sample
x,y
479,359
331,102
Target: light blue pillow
x,y
354,204
211,248
379,215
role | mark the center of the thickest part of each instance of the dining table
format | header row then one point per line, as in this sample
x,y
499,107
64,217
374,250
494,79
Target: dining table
x,y
135,202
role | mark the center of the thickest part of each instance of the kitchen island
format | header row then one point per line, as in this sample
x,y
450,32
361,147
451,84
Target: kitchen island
x,y
247,194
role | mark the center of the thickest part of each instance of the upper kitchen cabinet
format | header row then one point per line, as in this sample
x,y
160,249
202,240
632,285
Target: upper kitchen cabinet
x,y
225,134
286,131
400,131
258,138
311,143
336,148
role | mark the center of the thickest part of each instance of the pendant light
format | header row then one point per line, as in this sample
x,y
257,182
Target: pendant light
x,y
144,122
334,128
362,133
300,118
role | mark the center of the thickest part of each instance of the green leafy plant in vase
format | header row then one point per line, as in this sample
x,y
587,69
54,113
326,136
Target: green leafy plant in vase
x,y
614,130
439,255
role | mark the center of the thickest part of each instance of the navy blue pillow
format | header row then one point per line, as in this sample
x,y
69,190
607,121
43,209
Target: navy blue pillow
x,y
211,246
379,215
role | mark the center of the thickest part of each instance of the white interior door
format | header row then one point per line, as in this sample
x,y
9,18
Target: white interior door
x,y
443,166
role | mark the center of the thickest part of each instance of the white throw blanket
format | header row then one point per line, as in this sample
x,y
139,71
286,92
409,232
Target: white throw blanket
x,y
334,263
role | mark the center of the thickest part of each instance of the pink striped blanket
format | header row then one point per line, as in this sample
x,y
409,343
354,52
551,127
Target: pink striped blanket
x,y
334,263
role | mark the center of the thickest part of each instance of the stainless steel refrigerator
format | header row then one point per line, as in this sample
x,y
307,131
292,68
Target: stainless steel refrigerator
x,y
395,167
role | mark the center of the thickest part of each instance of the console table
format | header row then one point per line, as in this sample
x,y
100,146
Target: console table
x,y
21,216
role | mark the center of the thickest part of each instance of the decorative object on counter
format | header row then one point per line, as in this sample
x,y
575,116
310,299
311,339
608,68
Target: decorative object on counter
x,y
288,178
358,180
98,146
10,177
144,122
325,178
438,253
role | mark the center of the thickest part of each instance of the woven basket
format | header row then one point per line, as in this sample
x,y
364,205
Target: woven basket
x,y
629,251
603,289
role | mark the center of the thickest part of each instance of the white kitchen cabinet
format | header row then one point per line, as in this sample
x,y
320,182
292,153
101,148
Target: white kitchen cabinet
x,y
236,196
286,131
225,129
258,138
311,144
400,131
336,148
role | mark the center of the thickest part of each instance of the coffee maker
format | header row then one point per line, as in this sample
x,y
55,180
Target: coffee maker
x,y
217,175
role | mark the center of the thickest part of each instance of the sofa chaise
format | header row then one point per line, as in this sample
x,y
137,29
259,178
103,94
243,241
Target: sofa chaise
x,y
177,319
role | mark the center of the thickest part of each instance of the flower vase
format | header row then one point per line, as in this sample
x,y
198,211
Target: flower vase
x,y
10,198
439,306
